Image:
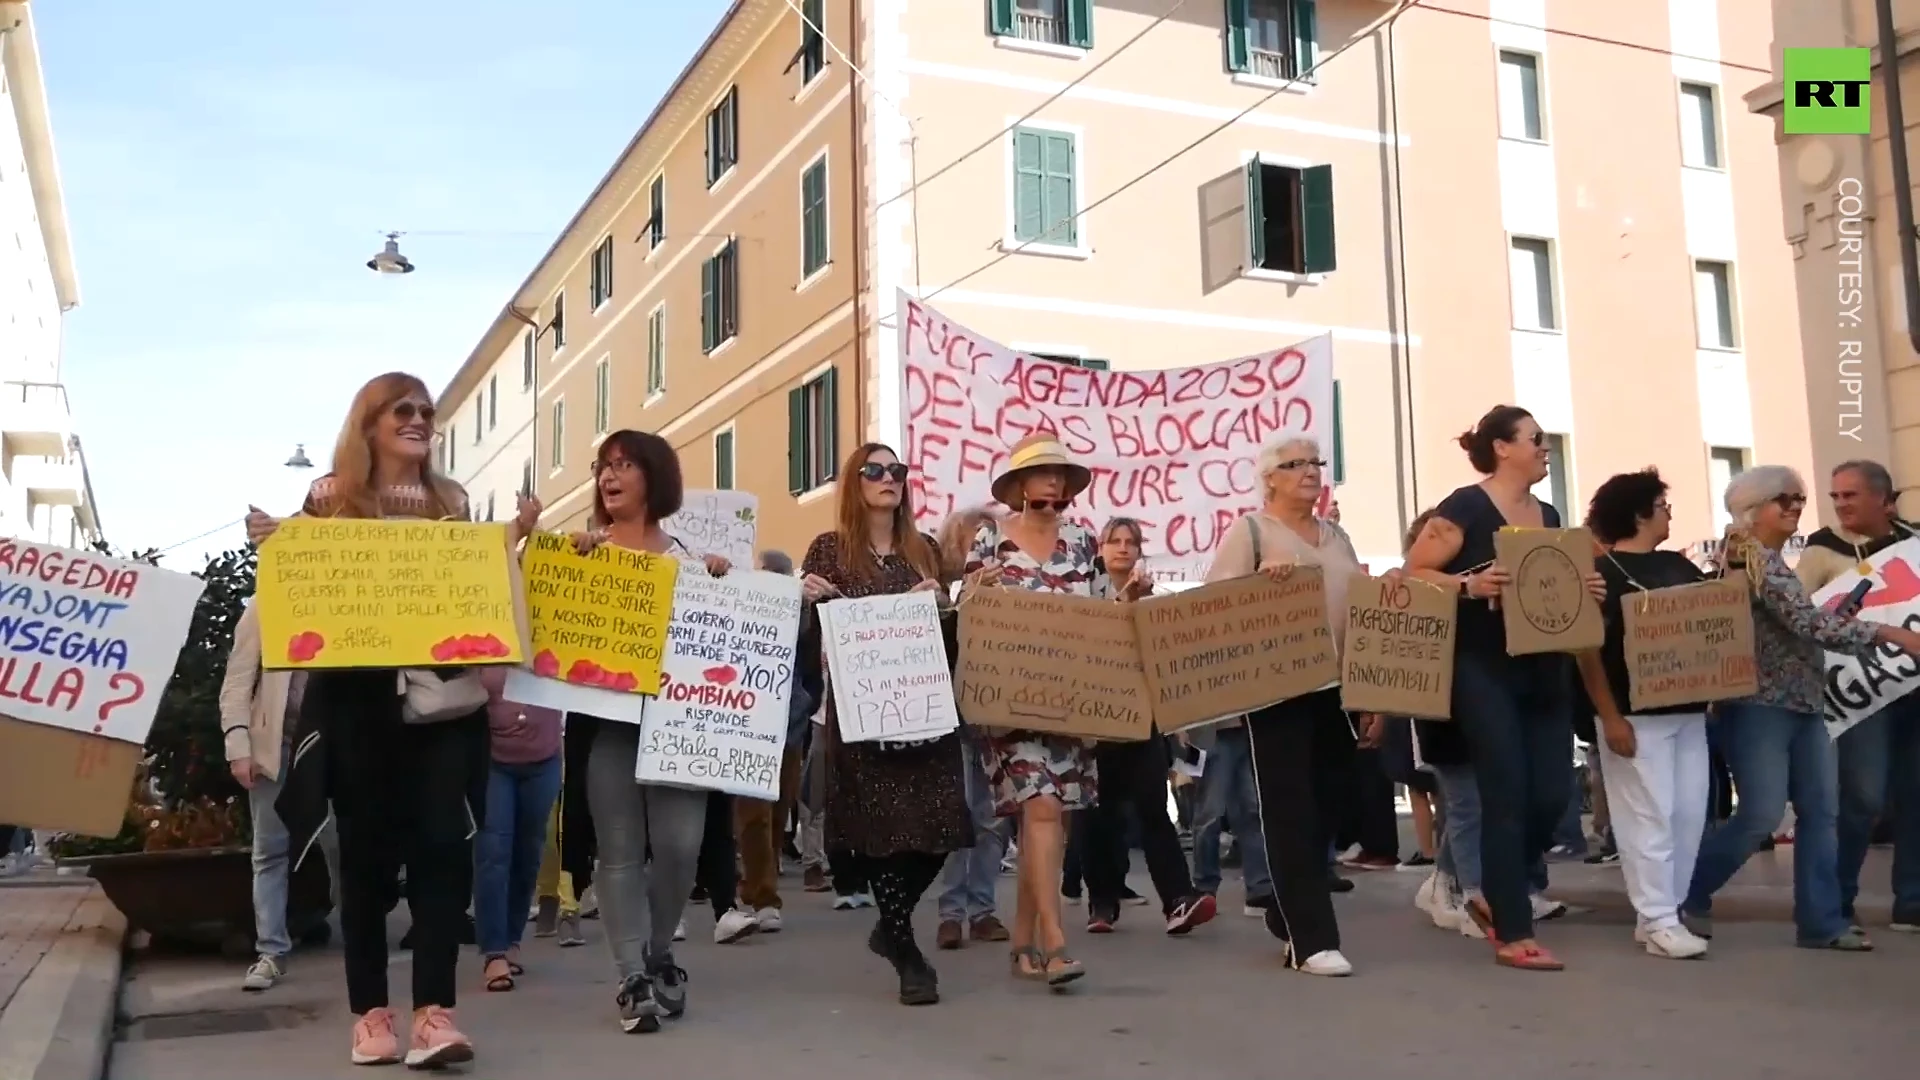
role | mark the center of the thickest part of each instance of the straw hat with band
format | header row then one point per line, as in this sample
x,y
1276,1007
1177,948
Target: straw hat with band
x,y
1040,450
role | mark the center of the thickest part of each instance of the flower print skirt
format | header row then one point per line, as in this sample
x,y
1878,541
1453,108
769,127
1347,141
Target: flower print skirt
x,y
1026,764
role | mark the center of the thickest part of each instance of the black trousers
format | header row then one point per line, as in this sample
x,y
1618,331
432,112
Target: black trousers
x,y
1369,819
1302,752
577,844
850,872
718,872
1133,773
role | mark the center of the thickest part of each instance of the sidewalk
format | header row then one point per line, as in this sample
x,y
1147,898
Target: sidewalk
x,y
60,956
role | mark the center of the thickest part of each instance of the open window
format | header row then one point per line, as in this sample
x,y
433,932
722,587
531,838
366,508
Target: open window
x,y
1290,217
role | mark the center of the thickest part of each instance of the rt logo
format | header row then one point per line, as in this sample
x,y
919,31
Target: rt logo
x,y
1829,91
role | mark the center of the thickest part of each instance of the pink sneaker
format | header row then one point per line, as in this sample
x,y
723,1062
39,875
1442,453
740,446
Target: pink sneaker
x,y
374,1042
436,1042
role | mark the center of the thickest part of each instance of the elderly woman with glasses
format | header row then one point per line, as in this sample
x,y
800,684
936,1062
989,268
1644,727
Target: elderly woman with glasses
x,y
1776,741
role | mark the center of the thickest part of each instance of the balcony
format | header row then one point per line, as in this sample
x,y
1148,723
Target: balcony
x,y
50,481
1048,27
35,419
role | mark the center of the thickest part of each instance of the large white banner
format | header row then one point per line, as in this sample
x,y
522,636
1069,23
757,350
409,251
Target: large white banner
x,y
1859,687
1173,447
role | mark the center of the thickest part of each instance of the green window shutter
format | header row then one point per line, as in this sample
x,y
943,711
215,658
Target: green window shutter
x,y
1316,218
709,313
729,286
1000,16
1256,218
1339,439
830,408
1062,226
1080,23
797,440
1029,186
1237,35
1305,33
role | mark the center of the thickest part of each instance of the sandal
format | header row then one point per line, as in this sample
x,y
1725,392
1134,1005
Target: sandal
x,y
1482,916
1527,958
499,975
1069,969
513,964
1037,972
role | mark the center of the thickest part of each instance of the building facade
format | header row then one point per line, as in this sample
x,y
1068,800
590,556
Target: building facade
x,y
1862,370
45,491
1147,183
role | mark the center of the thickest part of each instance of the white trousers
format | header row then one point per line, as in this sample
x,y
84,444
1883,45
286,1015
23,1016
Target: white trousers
x,y
1658,800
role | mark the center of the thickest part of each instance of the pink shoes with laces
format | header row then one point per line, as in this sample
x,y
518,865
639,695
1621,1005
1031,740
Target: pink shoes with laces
x,y
436,1042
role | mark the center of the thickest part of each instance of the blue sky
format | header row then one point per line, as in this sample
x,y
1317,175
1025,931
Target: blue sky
x,y
228,168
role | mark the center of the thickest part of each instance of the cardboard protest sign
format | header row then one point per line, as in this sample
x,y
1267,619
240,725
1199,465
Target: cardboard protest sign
x,y
1399,654
1173,447
65,780
1860,686
724,523
1235,646
597,620
1048,662
347,593
888,664
1547,607
720,720
87,643
1689,644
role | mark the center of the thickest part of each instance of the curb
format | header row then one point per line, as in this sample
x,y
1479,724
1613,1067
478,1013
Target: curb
x,y
65,1012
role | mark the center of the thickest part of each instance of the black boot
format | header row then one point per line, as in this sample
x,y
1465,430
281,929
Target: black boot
x,y
919,983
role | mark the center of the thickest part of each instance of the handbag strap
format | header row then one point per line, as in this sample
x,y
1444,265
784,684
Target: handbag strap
x,y
1253,530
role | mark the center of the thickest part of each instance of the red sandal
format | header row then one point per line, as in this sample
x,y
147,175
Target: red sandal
x,y
1527,958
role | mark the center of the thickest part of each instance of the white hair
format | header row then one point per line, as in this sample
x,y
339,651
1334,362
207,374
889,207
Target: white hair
x,y
1272,454
1758,486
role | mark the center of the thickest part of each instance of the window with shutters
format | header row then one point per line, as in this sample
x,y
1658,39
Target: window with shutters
x,y
657,352
723,459
557,435
603,395
812,57
493,402
526,360
1290,217
814,255
723,137
1071,361
1060,26
558,327
479,420
1045,201
720,297
1339,452
655,230
1271,40
452,447
526,477
600,277
813,432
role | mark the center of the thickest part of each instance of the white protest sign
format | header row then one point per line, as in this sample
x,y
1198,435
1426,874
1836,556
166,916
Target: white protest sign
x,y
724,523
1172,447
88,643
525,688
720,720
1858,687
888,663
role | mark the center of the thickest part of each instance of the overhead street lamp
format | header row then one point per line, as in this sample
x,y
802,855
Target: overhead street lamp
x,y
389,260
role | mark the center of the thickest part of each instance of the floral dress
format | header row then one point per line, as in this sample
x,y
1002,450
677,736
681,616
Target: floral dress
x,y
1025,764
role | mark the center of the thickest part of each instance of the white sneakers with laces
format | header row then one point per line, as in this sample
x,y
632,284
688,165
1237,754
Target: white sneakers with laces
x,y
1671,942
735,925
263,974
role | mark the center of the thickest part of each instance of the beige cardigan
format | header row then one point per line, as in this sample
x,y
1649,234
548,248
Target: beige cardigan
x,y
253,702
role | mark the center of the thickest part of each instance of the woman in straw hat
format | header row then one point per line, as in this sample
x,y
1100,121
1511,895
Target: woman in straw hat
x,y
1039,777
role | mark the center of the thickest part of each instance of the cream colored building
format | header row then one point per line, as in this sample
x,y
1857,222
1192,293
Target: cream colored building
x,y
1560,205
1840,222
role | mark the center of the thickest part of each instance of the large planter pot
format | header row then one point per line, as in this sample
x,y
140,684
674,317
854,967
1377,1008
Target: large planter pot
x,y
202,898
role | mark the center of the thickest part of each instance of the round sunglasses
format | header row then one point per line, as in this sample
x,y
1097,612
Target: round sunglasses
x,y
877,472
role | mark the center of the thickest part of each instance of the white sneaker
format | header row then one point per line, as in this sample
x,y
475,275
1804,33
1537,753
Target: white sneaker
x,y
263,974
1253,912
1672,943
1428,896
1545,908
734,925
861,899
846,901
1328,962
769,920
590,903
1467,927
680,930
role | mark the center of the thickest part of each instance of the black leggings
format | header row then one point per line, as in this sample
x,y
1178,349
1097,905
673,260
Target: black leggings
x,y
577,843
717,871
898,881
1136,773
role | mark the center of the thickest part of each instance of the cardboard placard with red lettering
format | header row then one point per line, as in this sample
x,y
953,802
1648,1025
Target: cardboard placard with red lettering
x,y
87,642
1047,662
1399,650
1546,607
1235,646
65,781
1172,447
1689,644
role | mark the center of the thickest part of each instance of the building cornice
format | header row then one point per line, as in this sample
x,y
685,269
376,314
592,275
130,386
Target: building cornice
x,y
29,93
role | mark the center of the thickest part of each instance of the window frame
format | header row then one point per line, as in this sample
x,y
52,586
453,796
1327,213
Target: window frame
x,y
1729,281
1713,136
557,435
1298,74
493,401
1560,467
1315,175
729,100
812,56
557,325
479,419
655,229
1076,21
600,275
813,463
657,352
714,339
728,431
603,395
1539,60
1553,284
1081,245
809,275
529,357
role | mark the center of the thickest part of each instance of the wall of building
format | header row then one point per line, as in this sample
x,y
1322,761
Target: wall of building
x,y
487,438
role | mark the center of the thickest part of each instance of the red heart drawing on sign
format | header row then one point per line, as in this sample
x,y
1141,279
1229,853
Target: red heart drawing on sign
x,y
724,675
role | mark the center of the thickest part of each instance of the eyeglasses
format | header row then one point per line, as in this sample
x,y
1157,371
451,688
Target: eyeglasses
x,y
616,464
405,411
1043,505
1662,507
1790,502
877,472
1301,463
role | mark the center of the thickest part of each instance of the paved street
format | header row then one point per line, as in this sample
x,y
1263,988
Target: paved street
x,y
812,1003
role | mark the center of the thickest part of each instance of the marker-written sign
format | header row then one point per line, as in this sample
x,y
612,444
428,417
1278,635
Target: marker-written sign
x,y
724,523
1860,686
597,620
345,593
1547,607
1234,646
87,643
888,663
1688,645
1048,662
720,720
1399,655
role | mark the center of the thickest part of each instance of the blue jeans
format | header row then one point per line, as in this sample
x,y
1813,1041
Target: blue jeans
x,y
273,863
507,852
1458,856
1227,795
1777,754
1881,754
972,873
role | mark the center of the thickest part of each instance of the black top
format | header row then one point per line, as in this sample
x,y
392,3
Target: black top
x,y
1481,626
1650,570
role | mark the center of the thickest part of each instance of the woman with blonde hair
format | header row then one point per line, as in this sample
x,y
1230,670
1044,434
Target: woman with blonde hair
x,y
900,808
402,794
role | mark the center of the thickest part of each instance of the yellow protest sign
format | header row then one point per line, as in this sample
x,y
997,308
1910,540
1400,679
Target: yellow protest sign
x,y
601,619
343,593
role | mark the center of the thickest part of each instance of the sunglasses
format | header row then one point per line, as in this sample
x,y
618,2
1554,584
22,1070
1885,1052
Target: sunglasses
x,y
1790,502
1301,463
1044,505
1539,438
405,411
877,472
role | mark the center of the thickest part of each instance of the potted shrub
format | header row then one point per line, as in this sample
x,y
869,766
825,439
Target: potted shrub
x,y
181,869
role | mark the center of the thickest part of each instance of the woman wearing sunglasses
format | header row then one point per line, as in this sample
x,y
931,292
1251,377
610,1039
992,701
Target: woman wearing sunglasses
x,y
401,794
894,809
1776,741
1037,777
